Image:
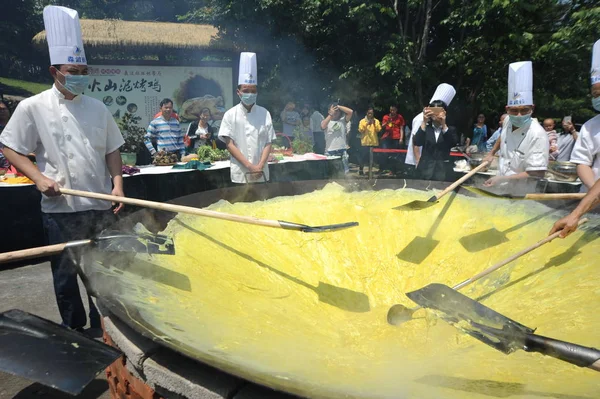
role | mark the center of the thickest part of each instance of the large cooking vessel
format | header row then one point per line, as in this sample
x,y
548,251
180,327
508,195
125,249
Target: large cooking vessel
x,y
306,313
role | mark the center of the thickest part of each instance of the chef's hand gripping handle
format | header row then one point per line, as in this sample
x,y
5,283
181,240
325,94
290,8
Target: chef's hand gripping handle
x,y
578,355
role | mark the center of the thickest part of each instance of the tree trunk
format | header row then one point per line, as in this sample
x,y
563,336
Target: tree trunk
x,y
399,18
419,88
425,35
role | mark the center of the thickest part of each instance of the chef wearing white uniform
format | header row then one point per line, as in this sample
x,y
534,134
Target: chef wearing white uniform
x,y
585,153
444,92
523,143
247,128
587,147
76,143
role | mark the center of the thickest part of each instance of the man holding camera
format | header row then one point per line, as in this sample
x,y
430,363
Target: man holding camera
x,y
436,138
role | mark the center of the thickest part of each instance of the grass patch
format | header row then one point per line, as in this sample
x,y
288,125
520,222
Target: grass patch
x,y
21,88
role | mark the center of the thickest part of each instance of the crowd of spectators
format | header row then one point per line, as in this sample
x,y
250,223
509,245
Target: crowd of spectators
x,y
390,131
341,132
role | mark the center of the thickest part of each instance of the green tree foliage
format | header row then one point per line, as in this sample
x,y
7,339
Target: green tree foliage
x,y
378,52
385,52
132,10
20,20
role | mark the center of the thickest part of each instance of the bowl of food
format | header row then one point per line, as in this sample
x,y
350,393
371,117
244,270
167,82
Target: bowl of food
x,y
475,160
563,171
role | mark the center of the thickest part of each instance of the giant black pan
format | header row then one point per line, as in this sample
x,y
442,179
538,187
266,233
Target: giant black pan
x,y
156,221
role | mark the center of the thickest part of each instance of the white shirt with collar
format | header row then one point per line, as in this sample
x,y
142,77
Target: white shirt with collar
x,y
437,130
251,132
70,139
587,146
524,149
410,153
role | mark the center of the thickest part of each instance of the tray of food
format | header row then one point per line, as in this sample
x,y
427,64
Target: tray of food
x,y
282,145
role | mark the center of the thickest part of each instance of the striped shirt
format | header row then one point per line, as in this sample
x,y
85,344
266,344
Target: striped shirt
x,y
166,134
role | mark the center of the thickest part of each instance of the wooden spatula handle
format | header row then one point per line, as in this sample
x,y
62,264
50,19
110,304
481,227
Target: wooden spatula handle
x,y
555,196
173,208
31,253
462,179
511,258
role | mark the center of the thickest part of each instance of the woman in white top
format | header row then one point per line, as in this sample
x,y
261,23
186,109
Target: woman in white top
x,y
337,127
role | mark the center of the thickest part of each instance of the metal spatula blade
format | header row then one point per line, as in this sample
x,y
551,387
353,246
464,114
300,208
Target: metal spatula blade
x,y
471,317
42,351
115,241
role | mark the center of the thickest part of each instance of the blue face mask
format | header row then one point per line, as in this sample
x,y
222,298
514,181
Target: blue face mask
x,y
75,84
596,103
520,120
248,98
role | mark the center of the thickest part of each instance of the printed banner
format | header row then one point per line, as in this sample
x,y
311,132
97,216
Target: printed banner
x,y
138,90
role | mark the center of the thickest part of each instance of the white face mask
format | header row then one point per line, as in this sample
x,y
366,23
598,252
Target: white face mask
x,y
596,103
75,84
520,120
248,98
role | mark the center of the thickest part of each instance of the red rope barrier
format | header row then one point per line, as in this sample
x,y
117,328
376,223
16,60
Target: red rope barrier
x,y
397,151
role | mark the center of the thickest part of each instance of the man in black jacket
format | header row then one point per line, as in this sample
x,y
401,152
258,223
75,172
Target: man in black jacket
x,y
436,138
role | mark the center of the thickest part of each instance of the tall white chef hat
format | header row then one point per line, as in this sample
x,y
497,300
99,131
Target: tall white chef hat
x,y
248,70
63,34
445,93
596,63
520,83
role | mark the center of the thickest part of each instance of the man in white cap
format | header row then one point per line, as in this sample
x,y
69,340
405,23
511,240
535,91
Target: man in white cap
x,y
435,137
523,144
444,92
247,128
587,148
76,142
585,154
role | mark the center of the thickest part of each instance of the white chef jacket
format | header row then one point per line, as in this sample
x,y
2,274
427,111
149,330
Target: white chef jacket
x,y
251,132
524,149
70,139
410,153
587,147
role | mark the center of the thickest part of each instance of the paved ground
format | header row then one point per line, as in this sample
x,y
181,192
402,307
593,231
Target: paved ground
x,y
29,288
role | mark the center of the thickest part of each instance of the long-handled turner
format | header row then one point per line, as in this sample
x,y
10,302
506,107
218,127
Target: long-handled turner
x,y
417,204
109,241
531,196
498,331
208,213
491,237
399,313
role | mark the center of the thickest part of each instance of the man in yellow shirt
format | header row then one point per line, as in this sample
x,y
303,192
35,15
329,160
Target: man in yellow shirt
x,y
368,128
